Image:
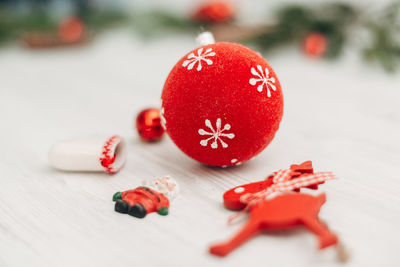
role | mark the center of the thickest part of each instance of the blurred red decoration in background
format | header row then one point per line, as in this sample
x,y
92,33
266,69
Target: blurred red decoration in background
x,y
315,44
71,30
214,11
148,124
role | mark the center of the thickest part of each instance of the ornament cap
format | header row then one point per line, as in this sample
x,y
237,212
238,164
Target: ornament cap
x,y
205,38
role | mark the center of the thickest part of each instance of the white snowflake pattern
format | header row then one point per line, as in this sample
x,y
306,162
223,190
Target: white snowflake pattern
x,y
192,59
216,134
264,78
163,120
235,162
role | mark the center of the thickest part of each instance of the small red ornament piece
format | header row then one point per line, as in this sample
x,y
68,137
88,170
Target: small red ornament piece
x,y
232,198
148,124
71,30
153,196
140,201
222,104
305,167
281,212
214,12
315,44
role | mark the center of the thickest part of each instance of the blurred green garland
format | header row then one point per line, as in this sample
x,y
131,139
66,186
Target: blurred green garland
x,y
385,34
336,21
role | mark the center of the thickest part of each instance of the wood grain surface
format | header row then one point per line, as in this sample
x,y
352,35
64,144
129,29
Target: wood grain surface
x,y
345,116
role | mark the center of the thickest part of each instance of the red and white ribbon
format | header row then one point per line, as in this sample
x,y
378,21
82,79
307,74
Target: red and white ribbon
x,y
283,182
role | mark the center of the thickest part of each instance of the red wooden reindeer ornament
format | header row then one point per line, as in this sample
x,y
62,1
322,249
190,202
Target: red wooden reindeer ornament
x,y
284,211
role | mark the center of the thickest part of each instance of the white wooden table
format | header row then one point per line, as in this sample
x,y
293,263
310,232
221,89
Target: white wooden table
x,y
343,115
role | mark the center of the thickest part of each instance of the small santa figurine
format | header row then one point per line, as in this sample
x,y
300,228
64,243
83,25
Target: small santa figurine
x,y
154,195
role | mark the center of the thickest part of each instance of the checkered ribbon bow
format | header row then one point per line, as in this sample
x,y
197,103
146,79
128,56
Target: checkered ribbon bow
x,y
283,182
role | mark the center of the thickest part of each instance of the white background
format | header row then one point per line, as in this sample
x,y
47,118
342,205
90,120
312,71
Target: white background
x,y
343,115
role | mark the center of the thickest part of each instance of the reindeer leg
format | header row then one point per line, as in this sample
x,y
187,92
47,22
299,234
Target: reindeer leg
x,y
248,231
326,237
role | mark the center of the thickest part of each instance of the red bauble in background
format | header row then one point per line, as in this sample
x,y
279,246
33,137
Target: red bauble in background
x,y
71,30
214,12
222,104
315,44
148,124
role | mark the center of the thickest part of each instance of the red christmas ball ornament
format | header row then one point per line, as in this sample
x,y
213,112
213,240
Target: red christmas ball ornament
x,y
315,44
214,12
148,124
71,30
222,104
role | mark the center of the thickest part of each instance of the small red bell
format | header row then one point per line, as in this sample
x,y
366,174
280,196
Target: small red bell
x,y
148,124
